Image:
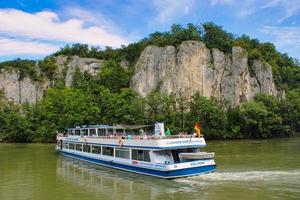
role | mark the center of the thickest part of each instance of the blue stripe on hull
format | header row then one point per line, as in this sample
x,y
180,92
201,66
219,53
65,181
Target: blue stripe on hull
x,y
162,174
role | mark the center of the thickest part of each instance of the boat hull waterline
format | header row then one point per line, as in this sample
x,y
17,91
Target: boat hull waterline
x,y
198,170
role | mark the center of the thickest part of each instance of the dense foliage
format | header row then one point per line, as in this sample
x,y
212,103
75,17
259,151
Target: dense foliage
x,y
25,68
264,117
106,97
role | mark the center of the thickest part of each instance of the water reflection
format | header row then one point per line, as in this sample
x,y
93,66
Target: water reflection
x,y
115,183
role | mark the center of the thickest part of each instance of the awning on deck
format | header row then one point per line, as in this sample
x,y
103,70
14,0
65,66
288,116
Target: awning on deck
x,y
132,126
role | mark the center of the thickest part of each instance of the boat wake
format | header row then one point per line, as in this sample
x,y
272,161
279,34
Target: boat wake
x,y
221,177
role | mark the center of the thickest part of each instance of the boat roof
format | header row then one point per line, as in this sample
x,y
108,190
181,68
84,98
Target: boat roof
x,y
91,126
102,126
133,126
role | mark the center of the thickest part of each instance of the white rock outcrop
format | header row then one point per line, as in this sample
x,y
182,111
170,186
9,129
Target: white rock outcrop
x,y
190,68
26,90
67,65
20,91
195,68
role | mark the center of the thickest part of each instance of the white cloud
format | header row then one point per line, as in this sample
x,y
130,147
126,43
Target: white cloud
x,y
249,7
240,8
10,47
216,2
169,9
20,3
287,38
95,18
291,7
46,25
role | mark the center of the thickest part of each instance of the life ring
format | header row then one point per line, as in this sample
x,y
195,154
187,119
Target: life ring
x,y
85,140
120,143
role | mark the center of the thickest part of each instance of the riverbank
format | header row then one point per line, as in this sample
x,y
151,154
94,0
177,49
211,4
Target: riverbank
x,y
296,135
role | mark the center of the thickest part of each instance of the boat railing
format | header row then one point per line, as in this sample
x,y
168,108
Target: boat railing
x,y
137,137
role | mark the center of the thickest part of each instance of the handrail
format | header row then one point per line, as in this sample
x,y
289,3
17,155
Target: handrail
x,y
136,137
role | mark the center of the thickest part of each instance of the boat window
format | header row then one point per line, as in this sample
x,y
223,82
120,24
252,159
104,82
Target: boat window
x,y
189,150
101,132
96,149
122,153
71,146
108,151
119,131
78,147
65,145
77,132
163,156
142,155
87,148
71,132
92,132
84,132
110,131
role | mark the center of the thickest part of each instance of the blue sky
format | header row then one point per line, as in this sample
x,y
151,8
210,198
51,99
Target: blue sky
x,y
35,28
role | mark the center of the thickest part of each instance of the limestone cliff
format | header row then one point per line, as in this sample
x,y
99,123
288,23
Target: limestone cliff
x,y
27,90
66,66
194,68
21,90
189,68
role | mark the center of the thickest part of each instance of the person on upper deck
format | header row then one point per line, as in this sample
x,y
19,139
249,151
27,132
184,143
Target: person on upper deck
x,y
168,132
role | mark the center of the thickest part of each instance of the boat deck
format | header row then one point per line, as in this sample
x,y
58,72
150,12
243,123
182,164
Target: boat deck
x,y
135,137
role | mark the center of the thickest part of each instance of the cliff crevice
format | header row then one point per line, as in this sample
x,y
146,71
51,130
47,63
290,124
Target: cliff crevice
x,y
195,68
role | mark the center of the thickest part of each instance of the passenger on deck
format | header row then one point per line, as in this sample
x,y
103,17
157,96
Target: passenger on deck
x,y
168,132
129,137
195,134
142,132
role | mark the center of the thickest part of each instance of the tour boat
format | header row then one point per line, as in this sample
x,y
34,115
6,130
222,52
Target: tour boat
x,y
157,154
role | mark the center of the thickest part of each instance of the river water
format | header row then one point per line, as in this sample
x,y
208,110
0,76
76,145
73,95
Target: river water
x,y
252,169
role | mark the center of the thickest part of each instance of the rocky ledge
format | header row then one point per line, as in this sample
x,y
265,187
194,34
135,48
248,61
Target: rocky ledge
x,y
192,67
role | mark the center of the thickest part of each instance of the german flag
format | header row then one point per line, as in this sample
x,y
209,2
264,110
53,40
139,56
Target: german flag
x,y
197,129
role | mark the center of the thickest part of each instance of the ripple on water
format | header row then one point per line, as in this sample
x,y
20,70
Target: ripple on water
x,y
219,177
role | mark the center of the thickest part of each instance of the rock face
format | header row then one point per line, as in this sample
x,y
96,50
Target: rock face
x,y
27,90
188,69
67,66
195,68
20,91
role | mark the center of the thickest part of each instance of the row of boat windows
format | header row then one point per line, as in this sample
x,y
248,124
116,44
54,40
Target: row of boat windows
x,y
136,154
95,132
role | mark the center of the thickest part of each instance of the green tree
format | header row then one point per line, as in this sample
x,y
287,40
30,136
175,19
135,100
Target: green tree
x,y
48,67
113,76
258,122
215,37
290,111
14,127
209,114
62,108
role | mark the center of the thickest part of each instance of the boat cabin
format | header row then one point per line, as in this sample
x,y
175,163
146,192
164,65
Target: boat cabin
x,y
95,131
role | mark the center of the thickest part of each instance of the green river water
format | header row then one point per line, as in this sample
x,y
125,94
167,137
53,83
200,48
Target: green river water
x,y
252,169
